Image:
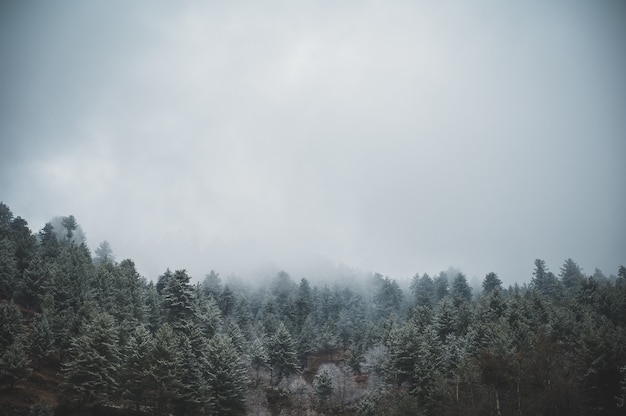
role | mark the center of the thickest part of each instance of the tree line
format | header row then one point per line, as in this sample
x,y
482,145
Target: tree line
x,y
115,340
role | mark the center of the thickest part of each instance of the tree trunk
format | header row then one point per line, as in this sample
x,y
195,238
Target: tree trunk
x,y
498,413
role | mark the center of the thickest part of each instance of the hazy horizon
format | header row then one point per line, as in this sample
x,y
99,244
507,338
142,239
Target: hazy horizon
x,y
391,137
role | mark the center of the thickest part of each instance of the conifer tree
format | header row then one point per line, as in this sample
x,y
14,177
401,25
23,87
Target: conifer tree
x,y
11,324
323,386
41,338
259,356
14,364
491,282
94,362
164,370
190,399
461,291
135,370
282,352
179,300
8,269
229,377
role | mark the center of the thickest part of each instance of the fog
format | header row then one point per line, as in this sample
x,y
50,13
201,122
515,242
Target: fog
x,y
393,137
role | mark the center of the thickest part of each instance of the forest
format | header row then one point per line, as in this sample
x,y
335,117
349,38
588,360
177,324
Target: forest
x,y
85,334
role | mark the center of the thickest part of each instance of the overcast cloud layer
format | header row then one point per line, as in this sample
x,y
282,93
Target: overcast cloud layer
x,y
392,136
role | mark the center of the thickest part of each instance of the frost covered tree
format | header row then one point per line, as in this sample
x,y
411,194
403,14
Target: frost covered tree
x,y
41,338
229,379
135,370
94,361
282,353
14,364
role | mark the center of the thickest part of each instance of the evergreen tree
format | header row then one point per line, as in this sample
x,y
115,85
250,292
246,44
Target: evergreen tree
x,y
404,346
303,303
135,371
441,287
282,352
461,291
48,244
572,276
164,370
91,371
323,386
190,399
179,300
104,253
259,357
543,280
209,316
14,364
8,269
388,299
163,281
212,285
423,290
229,377
446,321
11,324
491,282
41,338
428,378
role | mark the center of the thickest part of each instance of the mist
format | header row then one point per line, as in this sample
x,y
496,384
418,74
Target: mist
x,y
393,137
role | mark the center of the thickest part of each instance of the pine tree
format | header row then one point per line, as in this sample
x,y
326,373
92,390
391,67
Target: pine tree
x,y
543,280
189,399
41,338
179,301
91,371
282,352
11,324
441,286
461,291
571,276
404,343
423,290
135,371
259,356
14,364
491,282
164,370
8,269
229,377
48,244
323,386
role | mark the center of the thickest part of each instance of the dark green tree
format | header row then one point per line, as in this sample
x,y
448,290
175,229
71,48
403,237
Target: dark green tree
x,y
229,377
282,352
323,386
164,370
491,282
544,280
423,290
461,291
8,269
441,286
14,364
135,370
572,276
94,362
179,300
41,339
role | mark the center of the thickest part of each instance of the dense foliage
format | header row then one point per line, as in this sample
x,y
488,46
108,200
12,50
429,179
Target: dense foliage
x,y
113,340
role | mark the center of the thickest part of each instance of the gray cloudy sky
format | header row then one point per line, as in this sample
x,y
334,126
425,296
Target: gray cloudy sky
x,y
392,136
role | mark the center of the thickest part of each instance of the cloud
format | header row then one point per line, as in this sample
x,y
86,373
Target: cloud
x,y
394,137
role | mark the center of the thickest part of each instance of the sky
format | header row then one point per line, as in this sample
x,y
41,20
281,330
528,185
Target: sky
x,y
397,137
